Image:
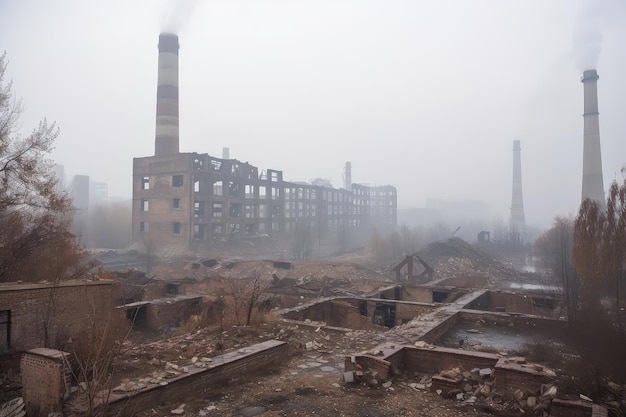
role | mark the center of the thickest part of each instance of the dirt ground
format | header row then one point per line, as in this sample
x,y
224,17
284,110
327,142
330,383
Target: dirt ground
x,y
306,383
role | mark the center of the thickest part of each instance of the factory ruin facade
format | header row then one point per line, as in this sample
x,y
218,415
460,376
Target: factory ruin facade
x,y
192,200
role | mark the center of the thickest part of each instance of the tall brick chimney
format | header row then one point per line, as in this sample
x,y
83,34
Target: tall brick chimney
x,y
166,135
593,184
518,221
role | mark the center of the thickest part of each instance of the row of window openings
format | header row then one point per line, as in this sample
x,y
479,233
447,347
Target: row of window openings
x,y
249,210
234,189
198,229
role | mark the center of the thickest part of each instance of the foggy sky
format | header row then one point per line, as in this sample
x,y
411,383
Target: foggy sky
x,y
426,96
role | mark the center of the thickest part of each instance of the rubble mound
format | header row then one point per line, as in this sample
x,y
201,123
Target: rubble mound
x,y
455,258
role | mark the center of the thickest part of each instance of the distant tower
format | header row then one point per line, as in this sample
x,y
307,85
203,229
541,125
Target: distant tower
x,y
166,136
518,222
593,184
347,176
225,153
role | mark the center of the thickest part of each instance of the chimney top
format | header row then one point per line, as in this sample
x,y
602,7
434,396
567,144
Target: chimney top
x,y
168,42
589,75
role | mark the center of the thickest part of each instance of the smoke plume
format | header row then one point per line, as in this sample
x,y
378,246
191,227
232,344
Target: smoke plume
x,y
176,14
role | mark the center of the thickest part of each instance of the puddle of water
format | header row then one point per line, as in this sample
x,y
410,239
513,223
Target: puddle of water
x,y
475,336
517,286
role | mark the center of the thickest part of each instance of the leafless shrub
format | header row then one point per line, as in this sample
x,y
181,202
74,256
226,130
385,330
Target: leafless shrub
x,y
242,301
94,359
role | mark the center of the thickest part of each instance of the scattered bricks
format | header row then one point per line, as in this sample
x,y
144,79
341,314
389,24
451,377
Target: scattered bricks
x,y
446,385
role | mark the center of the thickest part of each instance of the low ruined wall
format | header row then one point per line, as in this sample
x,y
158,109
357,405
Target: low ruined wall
x,y
337,313
538,305
433,335
431,360
511,376
535,322
244,361
576,408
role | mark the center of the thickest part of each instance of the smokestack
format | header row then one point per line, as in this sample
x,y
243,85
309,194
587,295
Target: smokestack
x,y
518,221
225,153
347,179
593,184
166,137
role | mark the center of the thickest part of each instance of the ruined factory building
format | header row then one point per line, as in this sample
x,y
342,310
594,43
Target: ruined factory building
x,y
190,200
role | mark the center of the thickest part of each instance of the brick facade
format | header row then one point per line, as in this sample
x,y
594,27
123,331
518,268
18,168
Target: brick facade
x,y
48,315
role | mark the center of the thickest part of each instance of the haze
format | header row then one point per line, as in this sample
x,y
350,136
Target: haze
x,y
425,96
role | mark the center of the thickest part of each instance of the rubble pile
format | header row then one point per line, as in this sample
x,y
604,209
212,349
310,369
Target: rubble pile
x,y
454,257
480,386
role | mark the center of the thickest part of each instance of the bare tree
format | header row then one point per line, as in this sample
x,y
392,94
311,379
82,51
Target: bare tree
x,y
243,298
555,247
34,212
94,358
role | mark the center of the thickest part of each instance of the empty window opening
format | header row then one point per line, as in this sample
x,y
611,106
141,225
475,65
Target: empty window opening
x,y
145,205
235,210
177,180
176,203
218,188
198,231
234,189
249,191
198,208
216,229
262,191
385,315
440,296
216,210
144,227
363,308
137,316
145,183
171,289
196,186
5,330
249,211
176,227
216,165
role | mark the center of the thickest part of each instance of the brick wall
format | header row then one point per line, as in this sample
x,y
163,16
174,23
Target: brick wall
x,y
245,361
576,408
433,335
432,360
512,376
66,308
171,311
